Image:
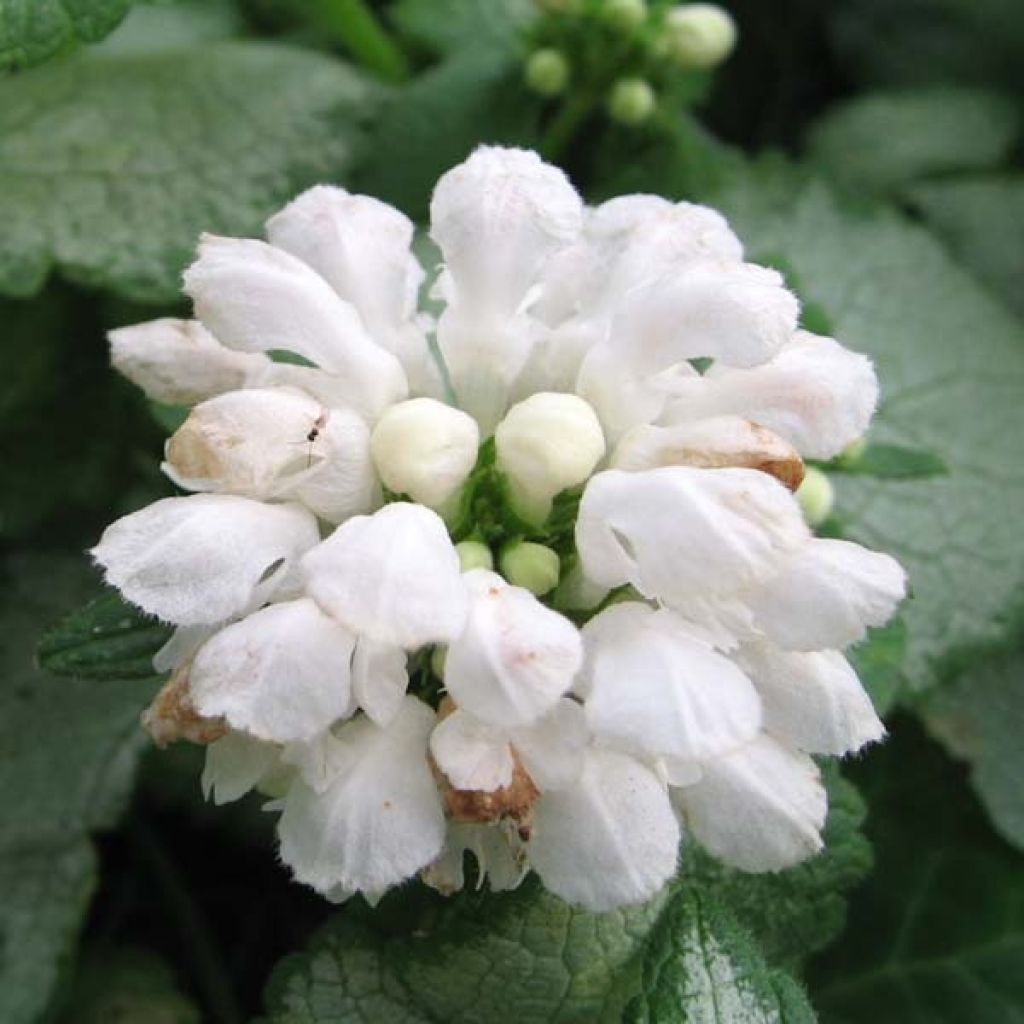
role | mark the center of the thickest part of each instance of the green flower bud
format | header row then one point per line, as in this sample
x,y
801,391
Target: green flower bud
x,y
853,453
438,658
532,566
624,15
547,72
699,35
474,555
632,101
816,496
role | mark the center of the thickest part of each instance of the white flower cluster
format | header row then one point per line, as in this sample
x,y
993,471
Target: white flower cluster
x,y
344,643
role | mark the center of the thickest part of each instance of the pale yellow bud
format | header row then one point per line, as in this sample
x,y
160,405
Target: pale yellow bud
x,y
816,496
546,443
425,449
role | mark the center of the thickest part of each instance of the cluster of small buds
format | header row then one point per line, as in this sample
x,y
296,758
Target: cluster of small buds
x,y
527,581
627,51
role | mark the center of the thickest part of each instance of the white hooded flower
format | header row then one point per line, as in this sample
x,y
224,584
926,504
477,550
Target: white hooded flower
x,y
357,658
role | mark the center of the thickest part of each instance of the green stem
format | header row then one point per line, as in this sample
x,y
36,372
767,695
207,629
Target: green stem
x,y
197,939
353,24
573,112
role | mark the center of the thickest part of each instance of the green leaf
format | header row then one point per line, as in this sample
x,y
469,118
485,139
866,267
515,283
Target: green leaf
x,y
33,30
69,754
57,399
528,958
951,365
973,216
936,935
893,462
881,141
717,938
110,167
107,639
919,42
979,717
700,966
125,985
447,26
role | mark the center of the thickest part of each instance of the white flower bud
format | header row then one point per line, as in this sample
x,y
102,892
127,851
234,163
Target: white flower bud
x,y
425,449
699,35
816,496
474,555
631,101
547,72
546,443
532,566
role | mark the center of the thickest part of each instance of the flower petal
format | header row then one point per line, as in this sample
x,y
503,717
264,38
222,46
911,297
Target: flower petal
x,y
279,674
657,691
345,482
761,808
237,763
515,657
608,841
256,298
812,700
827,595
500,857
497,218
378,822
393,576
816,394
202,559
362,248
740,314
380,678
179,362
256,443
676,533
716,443
552,748
472,754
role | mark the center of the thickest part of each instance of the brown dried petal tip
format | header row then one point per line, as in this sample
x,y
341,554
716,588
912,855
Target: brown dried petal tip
x,y
513,802
172,715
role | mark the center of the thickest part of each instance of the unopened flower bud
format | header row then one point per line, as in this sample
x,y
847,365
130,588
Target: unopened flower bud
x,y
546,443
624,15
632,101
533,566
699,35
438,657
853,453
425,449
816,496
474,555
547,72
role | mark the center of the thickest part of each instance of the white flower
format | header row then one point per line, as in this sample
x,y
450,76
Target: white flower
x,y
357,658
